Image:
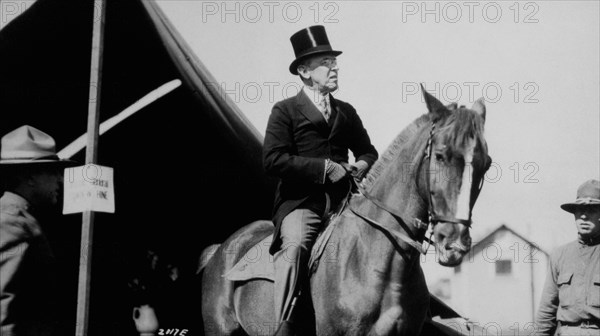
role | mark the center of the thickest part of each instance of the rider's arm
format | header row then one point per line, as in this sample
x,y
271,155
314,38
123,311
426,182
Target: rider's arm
x,y
546,316
361,146
279,157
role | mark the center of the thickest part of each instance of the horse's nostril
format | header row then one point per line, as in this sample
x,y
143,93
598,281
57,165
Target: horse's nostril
x,y
458,247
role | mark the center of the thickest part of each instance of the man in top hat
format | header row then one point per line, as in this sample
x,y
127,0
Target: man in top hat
x,y
306,146
570,302
32,177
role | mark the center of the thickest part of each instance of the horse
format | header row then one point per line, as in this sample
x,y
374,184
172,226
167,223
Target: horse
x,y
371,282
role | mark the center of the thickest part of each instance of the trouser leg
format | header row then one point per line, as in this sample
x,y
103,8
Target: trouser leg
x,y
298,232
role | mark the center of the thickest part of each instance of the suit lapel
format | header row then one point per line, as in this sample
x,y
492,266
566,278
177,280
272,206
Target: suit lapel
x,y
310,111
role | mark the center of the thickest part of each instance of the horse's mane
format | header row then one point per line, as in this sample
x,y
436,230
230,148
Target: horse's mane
x,y
456,127
394,149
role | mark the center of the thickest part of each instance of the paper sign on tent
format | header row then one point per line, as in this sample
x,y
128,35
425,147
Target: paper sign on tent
x,y
88,188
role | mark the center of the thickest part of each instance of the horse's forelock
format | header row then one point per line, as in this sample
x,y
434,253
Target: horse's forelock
x,y
459,126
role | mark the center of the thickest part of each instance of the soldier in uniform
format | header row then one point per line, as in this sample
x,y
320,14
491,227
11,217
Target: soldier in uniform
x,y
570,303
32,176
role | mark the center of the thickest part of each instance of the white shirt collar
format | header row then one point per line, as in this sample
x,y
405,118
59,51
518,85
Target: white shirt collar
x,y
314,96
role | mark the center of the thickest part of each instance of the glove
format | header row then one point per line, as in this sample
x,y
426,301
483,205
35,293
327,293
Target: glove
x,y
335,171
359,169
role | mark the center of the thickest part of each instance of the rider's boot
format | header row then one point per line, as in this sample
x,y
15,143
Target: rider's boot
x,y
286,328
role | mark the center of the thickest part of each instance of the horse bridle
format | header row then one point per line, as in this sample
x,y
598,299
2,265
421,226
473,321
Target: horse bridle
x,y
432,217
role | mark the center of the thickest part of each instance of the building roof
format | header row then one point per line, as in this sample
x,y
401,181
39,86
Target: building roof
x,y
492,236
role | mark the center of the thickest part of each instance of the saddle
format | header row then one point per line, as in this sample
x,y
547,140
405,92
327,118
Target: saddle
x,y
257,263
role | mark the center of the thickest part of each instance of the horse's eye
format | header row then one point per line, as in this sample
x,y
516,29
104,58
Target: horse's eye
x,y
439,157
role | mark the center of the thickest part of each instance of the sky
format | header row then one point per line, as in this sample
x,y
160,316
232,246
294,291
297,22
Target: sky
x,y
535,63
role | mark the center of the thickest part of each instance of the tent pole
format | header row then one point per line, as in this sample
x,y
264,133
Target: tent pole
x,y
85,258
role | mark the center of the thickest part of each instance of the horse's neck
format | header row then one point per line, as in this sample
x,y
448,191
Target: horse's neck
x,y
406,223
368,255
400,193
362,244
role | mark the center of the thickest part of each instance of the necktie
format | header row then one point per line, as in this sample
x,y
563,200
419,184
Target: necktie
x,y
325,107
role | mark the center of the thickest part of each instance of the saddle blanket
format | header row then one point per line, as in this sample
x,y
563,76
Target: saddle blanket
x,y
257,263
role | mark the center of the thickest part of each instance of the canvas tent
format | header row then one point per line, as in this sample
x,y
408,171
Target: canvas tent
x,y
193,141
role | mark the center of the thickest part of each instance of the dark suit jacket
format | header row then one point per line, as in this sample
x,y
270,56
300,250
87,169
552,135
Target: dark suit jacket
x,y
298,140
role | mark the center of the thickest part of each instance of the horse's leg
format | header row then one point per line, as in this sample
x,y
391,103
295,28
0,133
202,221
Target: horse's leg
x,y
416,302
405,302
392,318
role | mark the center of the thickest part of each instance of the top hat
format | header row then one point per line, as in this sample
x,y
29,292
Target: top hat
x,y
308,42
29,145
587,194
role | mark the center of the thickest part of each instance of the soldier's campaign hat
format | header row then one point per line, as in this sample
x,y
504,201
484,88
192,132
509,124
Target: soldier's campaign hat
x,y
309,42
587,194
29,145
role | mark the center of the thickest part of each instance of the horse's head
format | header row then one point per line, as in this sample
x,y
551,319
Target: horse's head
x,y
457,159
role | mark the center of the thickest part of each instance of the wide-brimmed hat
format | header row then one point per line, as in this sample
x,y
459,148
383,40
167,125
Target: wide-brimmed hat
x,y
29,145
309,42
587,194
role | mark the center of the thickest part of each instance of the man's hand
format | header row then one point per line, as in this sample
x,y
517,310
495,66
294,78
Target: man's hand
x,y
359,169
335,171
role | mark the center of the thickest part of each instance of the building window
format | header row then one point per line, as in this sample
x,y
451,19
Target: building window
x,y
503,267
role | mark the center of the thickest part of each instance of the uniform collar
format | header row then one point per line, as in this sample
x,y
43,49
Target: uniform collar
x,y
590,241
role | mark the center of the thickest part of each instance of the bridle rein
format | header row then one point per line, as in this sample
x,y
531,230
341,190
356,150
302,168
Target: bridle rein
x,y
432,217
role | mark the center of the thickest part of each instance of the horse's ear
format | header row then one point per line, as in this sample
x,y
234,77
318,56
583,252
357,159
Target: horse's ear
x,y
479,107
433,105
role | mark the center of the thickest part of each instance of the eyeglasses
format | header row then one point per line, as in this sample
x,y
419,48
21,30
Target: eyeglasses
x,y
329,62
